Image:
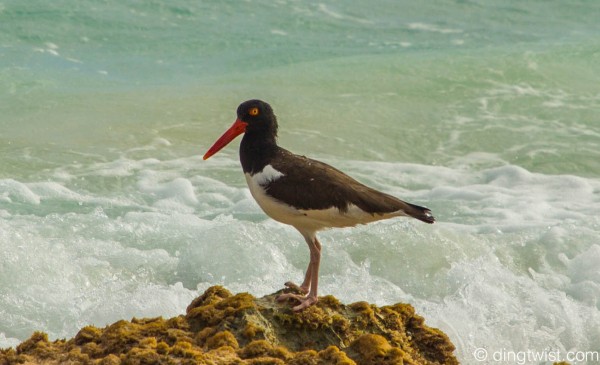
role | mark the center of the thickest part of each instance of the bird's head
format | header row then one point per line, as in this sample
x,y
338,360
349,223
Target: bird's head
x,y
253,116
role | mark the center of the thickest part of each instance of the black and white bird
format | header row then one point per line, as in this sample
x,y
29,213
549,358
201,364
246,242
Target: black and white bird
x,y
304,193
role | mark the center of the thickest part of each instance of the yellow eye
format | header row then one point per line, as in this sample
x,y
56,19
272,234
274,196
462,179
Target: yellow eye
x,y
253,112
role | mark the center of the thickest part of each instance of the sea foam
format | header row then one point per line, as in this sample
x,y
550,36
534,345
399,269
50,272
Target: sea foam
x,y
507,242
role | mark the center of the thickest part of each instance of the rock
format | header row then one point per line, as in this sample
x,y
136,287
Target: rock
x,y
222,328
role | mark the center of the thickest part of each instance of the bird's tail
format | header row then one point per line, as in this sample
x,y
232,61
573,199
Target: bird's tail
x,y
420,213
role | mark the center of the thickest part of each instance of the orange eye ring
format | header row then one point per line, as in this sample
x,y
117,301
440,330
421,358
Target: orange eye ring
x,y
253,111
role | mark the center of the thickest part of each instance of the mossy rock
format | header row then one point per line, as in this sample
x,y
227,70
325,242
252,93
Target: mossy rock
x,y
222,328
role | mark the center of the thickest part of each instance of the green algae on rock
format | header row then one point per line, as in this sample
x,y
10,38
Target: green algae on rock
x,y
222,328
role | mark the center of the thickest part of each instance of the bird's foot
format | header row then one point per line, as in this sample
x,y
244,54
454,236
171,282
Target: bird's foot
x,y
293,292
301,289
305,300
286,296
298,294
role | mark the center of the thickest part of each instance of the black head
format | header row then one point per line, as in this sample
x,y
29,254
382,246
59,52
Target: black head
x,y
256,119
259,117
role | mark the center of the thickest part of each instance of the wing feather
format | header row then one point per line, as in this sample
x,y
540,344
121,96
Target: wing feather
x,y
309,184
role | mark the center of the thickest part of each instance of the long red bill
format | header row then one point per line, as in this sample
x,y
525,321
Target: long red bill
x,y
238,127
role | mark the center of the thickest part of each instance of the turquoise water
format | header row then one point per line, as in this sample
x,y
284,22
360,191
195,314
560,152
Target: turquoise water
x,y
486,112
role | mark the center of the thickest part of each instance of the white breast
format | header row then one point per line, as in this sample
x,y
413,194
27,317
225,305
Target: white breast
x,y
267,175
275,209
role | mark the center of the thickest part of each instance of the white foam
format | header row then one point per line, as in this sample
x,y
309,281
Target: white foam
x,y
323,8
279,32
11,190
122,166
433,28
53,190
179,189
6,342
152,234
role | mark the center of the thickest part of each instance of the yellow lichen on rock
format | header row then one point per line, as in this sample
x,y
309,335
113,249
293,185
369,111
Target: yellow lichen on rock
x,y
224,338
372,349
222,328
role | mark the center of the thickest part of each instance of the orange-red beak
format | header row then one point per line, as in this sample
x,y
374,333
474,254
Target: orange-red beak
x,y
238,127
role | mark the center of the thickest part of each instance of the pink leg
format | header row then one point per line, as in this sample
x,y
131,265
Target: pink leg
x,y
311,279
305,287
315,262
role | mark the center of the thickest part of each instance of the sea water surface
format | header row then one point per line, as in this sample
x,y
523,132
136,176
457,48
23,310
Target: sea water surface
x,y
487,112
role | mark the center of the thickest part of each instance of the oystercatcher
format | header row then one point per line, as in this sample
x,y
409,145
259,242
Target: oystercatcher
x,y
304,193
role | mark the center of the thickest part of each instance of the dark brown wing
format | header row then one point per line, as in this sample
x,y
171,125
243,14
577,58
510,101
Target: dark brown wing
x,y
310,184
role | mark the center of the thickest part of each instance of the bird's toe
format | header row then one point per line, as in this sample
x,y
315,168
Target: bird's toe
x,y
305,303
296,288
287,296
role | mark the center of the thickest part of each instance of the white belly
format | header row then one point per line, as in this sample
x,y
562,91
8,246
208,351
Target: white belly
x,y
305,220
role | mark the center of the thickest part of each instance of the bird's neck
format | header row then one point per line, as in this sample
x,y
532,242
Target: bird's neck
x,y
256,151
